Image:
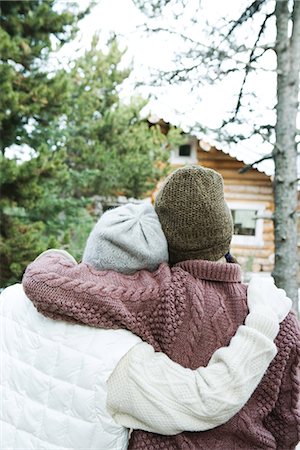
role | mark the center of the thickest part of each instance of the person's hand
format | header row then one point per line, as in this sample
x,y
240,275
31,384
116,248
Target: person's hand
x,y
263,294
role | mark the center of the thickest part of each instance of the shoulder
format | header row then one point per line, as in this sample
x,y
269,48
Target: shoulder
x,y
12,295
14,289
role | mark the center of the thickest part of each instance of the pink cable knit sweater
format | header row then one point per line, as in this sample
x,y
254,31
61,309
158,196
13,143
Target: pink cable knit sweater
x,y
187,312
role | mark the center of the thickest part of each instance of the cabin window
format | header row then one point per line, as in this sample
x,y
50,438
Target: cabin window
x,y
185,150
248,223
244,221
185,153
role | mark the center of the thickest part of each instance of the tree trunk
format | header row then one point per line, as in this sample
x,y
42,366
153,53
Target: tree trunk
x,y
285,151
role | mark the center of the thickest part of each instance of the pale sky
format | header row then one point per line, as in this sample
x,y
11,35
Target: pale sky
x,y
176,104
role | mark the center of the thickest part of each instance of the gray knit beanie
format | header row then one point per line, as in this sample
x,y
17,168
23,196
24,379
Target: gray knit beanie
x,y
194,215
127,239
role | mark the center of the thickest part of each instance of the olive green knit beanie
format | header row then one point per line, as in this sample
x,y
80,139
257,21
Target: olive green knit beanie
x,y
194,215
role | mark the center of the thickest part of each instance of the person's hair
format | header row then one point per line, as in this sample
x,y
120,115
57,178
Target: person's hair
x,y
231,259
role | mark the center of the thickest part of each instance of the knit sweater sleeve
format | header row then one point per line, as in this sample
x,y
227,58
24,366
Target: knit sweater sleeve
x,y
284,420
62,289
150,392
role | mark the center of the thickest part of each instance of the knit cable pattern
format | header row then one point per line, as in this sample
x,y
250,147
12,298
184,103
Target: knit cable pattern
x,y
181,314
91,288
283,376
61,291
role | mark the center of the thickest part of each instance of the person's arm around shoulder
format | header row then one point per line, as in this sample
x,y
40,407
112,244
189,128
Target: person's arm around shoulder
x,y
149,391
61,289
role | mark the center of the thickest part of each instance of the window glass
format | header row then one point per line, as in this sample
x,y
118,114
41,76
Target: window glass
x,y
244,221
185,150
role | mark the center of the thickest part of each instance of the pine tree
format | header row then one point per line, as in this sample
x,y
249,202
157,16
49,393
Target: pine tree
x,y
84,140
110,150
31,96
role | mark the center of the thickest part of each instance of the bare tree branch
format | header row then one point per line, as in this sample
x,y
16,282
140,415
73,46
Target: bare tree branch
x,y
249,12
247,167
176,32
151,9
251,58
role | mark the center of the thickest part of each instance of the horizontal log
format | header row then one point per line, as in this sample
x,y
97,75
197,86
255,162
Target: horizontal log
x,y
250,197
259,252
249,188
229,172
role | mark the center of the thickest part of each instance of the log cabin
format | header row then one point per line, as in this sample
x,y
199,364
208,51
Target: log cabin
x,y
249,196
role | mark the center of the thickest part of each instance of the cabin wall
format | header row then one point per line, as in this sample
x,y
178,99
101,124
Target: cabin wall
x,y
255,255
250,194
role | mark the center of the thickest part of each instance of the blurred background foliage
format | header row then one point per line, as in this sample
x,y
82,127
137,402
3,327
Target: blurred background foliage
x,y
79,139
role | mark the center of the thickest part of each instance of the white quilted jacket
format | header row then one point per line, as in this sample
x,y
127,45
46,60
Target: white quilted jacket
x,y
53,380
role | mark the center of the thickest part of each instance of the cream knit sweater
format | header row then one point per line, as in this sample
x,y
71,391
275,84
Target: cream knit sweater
x,y
149,391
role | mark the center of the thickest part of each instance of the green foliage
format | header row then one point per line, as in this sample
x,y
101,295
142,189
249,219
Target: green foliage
x,y
30,203
27,31
140,154
30,97
19,241
109,149
77,231
85,140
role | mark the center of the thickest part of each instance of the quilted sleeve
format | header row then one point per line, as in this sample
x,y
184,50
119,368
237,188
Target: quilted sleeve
x,y
62,289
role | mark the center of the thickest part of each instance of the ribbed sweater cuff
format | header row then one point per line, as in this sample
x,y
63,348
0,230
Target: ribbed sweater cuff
x,y
265,321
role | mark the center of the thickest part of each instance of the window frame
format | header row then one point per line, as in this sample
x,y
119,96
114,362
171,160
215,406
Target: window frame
x,y
248,240
175,158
